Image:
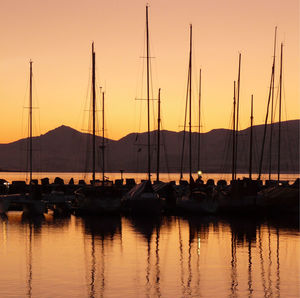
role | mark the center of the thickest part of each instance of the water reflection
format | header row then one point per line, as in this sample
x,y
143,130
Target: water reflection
x,y
157,266
199,227
147,227
103,227
263,279
250,288
99,231
243,234
189,256
29,257
36,221
244,231
4,220
59,221
33,230
278,264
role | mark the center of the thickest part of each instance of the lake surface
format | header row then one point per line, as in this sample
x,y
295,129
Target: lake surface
x,y
165,177
109,256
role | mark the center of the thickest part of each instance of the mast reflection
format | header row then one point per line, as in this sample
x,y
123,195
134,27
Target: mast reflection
x,y
262,262
243,234
234,282
33,230
270,292
181,259
278,264
4,220
99,230
146,227
250,289
29,278
199,229
157,267
105,227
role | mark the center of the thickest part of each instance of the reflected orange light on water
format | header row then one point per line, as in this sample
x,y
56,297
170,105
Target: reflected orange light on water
x,y
106,256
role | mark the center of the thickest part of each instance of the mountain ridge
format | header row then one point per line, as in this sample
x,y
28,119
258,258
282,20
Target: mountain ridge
x,y
65,149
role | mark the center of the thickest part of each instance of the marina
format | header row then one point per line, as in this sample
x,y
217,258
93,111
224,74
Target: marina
x,y
187,186
123,196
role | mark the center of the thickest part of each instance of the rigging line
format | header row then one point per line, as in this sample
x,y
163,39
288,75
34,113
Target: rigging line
x,y
265,132
154,67
272,106
165,152
88,105
227,151
226,147
152,95
237,116
24,133
279,116
85,123
140,71
184,128
276,103
244,153
289,141
36,126
199,121
233,133
255,149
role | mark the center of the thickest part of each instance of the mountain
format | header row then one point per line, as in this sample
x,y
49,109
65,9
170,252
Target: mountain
x,y
65,149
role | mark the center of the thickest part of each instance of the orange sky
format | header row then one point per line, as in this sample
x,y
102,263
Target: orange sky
x,y
57,36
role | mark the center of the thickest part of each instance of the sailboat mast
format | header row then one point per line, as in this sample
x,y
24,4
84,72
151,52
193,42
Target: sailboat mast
x,y
233,135
158,137
103,144
266,120
148,92
237,114
272,107
30,123
199,122
94,110
184,126
251,139
190,106
279,124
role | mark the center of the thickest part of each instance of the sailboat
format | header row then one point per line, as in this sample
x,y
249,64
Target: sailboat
x,y
280,197
165,190
32,203
240,195
193,199
142,198
101,196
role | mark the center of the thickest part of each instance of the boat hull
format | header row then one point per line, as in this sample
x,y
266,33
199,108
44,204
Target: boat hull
x,y
4,205
34,207
206,205
146,206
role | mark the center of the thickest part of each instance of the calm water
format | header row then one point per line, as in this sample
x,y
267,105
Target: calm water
x,y
140,257
10,176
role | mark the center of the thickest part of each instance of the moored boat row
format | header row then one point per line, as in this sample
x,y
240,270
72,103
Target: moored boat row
x,y
239,197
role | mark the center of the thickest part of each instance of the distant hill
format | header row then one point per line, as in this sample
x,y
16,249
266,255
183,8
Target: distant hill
x,y
67,150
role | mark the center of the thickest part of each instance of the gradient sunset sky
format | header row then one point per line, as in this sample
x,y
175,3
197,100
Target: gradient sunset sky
x,y
57,36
